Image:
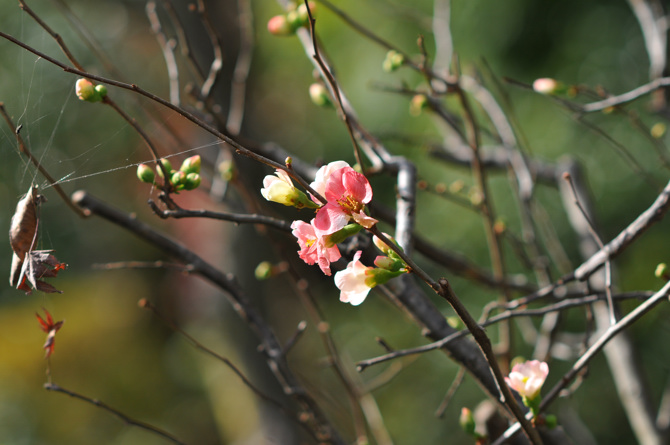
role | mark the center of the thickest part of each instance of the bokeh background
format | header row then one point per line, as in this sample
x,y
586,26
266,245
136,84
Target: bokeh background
x,y
112,350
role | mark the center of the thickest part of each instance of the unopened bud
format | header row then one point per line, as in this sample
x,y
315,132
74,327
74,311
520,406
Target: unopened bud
x,y
467,421
263,270
658,130
661,270
178,179
546,85
145,174
319,95
418,103
227,170
191,165
168,167
192,181
279,26
393,61
303,16
101,90
86,91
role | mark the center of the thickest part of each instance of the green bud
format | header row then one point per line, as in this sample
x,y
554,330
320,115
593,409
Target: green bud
x,y
342,234
101,90
263,270
145,174
661,270
392,264
178,179
418,103
191,165
303,16
393,61
550,421
467,421
86,91
455,322
227,170
294,20
380,276
192,181
168,167
319,95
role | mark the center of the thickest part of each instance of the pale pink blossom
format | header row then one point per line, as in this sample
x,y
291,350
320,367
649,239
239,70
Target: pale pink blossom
x,y
347,192
527,378
322,175
352,281
312,247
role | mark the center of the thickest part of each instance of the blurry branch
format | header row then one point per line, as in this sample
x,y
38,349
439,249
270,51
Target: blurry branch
x,y
506,315
654,27
142,265
593,350
363,406
126,419
24,149
182,38
626,97
624,239
238,89
621,356
494,158
217,62
315,420
146,304
458,380
167,47
444,43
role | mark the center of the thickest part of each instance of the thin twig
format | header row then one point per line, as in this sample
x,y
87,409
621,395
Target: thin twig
x,y
36,162
239,218
125,418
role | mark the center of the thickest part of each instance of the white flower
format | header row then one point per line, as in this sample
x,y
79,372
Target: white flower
x,y
352,281
527,378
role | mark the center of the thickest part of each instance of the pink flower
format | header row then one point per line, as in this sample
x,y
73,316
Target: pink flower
x,y
527,378
347,192
322,175
352,281
313,248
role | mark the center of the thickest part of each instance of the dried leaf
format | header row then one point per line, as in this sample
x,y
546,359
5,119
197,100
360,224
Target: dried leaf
x,y
30,266
23,229
39,264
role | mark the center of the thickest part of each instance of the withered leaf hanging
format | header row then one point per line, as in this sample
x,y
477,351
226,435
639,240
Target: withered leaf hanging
x,y
28,266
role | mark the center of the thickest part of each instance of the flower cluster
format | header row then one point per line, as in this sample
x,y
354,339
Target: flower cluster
x,y
346,193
